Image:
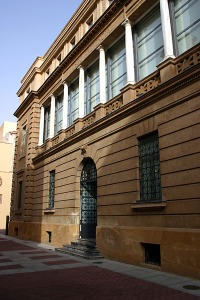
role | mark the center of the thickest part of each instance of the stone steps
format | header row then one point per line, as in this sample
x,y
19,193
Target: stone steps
x,y
85,248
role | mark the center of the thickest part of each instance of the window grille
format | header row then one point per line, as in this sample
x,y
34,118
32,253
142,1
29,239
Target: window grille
x,y
152,254
150,179
23,142
19,199
51,189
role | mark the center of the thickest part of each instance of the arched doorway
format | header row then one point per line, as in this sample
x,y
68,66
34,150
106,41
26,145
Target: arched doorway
x,y
88,193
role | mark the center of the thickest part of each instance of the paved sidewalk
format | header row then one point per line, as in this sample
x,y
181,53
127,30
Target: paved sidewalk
x,y
35,271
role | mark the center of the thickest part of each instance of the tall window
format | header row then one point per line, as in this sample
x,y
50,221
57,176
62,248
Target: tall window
x,y
51,189
91,88
73,102
58,113
149,157
46,122
116,69
149,41
23,141
187,23
19,196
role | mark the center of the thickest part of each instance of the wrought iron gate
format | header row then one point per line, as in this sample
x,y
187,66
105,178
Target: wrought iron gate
x,y
88,189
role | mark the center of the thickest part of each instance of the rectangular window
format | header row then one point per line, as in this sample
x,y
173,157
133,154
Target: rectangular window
x,y
58,113
116,69
149,41
73,102
19,199
51,189
91,88
23,141
187,23
46,122
149,158
152,254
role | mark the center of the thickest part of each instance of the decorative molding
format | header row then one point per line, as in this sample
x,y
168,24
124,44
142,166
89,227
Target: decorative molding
x,y
148,86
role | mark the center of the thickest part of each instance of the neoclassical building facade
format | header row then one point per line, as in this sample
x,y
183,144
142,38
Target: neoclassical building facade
x,y
107,143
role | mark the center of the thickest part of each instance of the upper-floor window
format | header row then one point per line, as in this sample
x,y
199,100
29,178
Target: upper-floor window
x,y
91,87
187,23
149,50
73,102
58,113
46,122
149,158
116,69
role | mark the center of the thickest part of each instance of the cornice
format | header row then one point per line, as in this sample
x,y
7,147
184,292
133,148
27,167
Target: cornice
x,y
32,95
88,36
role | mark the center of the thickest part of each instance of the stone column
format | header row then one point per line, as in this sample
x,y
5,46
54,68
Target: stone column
x,y
81,92
102,75
129,52
65,105
166,29
41,133
52,116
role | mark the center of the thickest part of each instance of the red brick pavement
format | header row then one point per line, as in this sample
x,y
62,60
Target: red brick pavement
x,y
12,246
84,283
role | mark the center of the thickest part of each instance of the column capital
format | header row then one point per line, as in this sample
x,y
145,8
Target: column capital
x,y
65,82
81,67
127,22
100,47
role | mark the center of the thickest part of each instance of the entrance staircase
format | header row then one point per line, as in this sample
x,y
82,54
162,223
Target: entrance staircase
x,y
85,248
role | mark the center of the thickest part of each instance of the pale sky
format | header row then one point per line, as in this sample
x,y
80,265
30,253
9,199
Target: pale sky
x,y
27,30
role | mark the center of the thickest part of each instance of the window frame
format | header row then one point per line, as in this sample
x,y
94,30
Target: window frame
x,y
47,116
91,79
110,61
174,28
58,113
73,96
149,165
51,189
135,27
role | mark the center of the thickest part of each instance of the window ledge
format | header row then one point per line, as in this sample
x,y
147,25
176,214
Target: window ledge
x,y
49,211
142,206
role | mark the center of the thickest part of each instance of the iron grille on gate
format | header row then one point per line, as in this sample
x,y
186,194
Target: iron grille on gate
x,y
88,200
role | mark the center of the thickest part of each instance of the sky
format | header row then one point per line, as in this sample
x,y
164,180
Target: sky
x,y
27,30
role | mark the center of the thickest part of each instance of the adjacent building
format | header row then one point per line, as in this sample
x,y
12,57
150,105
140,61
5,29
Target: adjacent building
x,y
7,144
108,127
